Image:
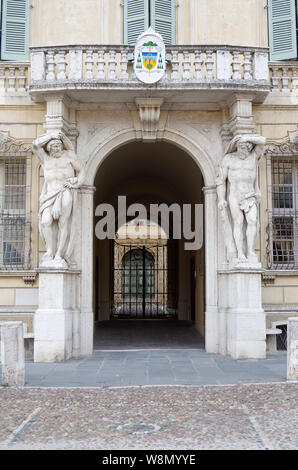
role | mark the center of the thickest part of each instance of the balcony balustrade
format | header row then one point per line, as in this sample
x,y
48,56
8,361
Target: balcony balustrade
x,y
14,78
284,77
216,70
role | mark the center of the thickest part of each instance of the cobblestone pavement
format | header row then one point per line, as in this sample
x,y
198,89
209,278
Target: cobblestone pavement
x,y
156,367
251,416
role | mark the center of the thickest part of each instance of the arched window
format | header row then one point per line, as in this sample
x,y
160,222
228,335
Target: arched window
x,y
136,263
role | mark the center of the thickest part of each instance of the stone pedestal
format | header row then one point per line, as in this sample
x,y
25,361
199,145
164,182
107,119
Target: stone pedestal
x,y
292,348
12,353
242,328
56,322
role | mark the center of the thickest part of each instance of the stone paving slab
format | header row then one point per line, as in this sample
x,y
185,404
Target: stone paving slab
x,y
171,417
171,367
154,368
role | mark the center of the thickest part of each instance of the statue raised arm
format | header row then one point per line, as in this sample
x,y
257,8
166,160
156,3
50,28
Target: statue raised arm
x,y
63,175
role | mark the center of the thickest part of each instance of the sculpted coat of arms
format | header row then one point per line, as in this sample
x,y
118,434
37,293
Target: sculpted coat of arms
x,y
150,57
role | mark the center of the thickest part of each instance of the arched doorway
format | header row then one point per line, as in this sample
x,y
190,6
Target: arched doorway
x,y
149,280
90,256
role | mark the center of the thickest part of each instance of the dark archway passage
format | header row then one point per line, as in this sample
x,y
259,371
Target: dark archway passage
x,y
158,173
144,334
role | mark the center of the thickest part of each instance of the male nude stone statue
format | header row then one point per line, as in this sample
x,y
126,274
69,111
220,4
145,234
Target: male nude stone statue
x,y
239,196
57,200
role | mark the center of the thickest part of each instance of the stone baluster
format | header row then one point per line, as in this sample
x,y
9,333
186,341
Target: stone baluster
x,y
112,65
12,79
50,59
209,65
186,66
61,66
101,65
123,63
236,66
2,78
285,80
198,65
247,66
21,79
175,66
89,64
275,79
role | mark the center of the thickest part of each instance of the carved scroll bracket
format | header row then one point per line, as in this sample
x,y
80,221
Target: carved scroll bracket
x,y
149,114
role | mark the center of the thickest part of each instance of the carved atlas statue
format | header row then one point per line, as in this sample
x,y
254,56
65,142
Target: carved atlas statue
x,y
63,175
239,197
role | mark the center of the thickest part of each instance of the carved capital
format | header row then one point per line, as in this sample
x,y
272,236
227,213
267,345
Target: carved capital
x,y
241,117
59,117
149,114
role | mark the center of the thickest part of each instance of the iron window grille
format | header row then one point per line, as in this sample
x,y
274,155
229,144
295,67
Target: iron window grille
x,y
282,203
15,205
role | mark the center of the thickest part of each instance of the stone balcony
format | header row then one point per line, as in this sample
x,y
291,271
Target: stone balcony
x,y
78,70
195,75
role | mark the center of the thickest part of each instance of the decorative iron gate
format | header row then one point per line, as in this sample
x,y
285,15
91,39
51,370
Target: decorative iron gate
x,y
144,281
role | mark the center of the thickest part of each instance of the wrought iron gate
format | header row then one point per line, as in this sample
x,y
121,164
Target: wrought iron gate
x,y
144,281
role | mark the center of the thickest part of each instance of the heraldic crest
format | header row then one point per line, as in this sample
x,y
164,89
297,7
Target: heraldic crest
x,y
149,60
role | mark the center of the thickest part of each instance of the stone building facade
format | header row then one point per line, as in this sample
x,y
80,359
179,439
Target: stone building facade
x,y
230,70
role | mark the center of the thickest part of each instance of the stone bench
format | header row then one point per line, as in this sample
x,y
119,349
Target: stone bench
x,y
271,341
12,353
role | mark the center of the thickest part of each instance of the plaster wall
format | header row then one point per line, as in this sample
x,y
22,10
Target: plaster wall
x,y
235,22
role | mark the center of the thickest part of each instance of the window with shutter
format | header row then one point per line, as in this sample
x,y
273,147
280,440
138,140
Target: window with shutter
x,y
15,30
282,29
136,19
140,14
162,19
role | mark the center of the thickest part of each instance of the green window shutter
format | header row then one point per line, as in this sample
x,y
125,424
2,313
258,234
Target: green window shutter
x,y
15,30
136,19
162,19
282,29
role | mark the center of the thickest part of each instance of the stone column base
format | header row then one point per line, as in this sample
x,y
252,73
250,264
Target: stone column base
x,y
56,320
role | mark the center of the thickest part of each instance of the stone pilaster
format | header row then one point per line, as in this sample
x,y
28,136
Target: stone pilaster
x,y
211,313
86,263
